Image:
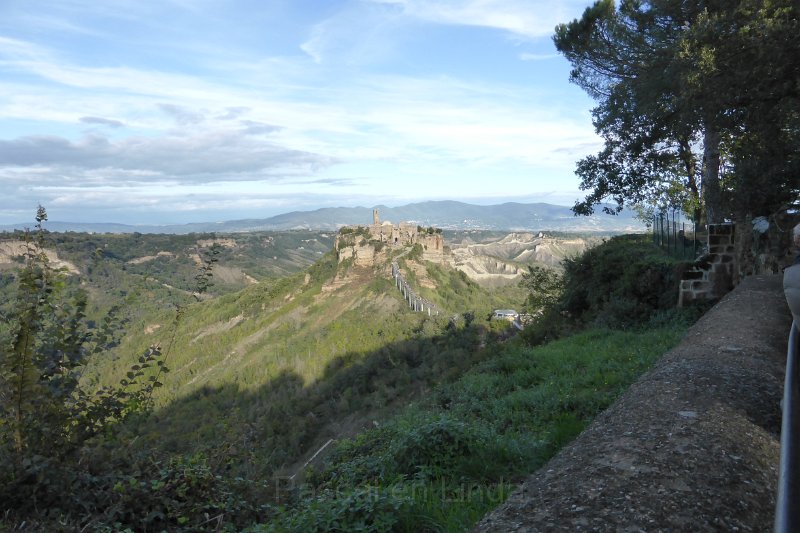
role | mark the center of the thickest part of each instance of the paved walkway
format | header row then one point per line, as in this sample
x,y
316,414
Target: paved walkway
x,y
693,445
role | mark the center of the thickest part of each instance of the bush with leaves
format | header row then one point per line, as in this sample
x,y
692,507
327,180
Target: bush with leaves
x,y
49,422
620,283
415,254
544,286
180,493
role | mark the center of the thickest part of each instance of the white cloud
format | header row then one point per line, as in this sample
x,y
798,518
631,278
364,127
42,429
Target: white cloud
x,y
210,156
358,34
230,124
102,121
537,57
182,115
530,19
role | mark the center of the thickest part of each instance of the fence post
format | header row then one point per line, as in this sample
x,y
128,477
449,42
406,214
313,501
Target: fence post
x,y
683,241
655,240
674,234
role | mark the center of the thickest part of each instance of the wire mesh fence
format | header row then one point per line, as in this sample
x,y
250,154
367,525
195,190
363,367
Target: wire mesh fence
x,y
677,236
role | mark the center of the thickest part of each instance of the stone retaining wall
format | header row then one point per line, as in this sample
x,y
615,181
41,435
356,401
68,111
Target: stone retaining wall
x,y
711,277
693,445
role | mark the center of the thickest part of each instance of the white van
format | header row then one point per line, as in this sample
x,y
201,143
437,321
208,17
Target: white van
x,y
506,314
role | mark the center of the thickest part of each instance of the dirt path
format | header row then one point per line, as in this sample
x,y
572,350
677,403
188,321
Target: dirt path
x,y
693,445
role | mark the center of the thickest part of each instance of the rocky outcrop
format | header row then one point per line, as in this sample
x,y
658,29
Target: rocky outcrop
x,y
432,247
355,247
12,251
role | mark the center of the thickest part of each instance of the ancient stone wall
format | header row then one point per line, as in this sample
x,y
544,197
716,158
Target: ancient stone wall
x,y
765,245
432,247
712,275
359,242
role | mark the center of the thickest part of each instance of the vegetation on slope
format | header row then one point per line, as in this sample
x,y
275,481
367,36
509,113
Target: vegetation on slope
x,y
454,292
443,462
134,276
625,283
282,366
261,378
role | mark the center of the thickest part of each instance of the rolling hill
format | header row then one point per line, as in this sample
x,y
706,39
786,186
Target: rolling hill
x,y
509,216
324,380
282,366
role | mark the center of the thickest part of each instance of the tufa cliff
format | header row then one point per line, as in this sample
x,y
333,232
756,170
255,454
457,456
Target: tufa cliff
x,y
364,244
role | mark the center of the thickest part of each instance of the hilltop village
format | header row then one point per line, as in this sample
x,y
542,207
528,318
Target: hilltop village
x,y
364,243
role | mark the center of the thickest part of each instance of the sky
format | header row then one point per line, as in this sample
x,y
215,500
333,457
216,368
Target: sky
x,y
177,111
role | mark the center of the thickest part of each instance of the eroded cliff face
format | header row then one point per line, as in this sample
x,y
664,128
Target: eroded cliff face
x,y
363,255
12,251
490,263
432,248
503,261
356,246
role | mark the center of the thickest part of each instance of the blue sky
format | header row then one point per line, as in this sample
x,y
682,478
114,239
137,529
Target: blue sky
x,y
172,111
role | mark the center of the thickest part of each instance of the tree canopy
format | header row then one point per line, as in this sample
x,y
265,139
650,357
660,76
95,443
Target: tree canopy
x,y
698,104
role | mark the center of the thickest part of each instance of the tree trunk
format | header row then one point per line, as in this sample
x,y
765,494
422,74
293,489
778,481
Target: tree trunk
x,y
712,195
690,167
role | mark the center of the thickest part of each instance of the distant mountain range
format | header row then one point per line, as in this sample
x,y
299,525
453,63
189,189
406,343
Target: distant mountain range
x,y
509,216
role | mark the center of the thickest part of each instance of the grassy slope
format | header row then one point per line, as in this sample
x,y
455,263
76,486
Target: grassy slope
x,y
260,378
263,376
444,462
127,270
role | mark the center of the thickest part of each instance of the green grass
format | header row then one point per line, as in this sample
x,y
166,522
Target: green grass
x,y
442,463
267,368
455,293
271,366
263,376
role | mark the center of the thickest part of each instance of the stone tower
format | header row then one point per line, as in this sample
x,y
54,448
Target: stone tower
x,y
376,219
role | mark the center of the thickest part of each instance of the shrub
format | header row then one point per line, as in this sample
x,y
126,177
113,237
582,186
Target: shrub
x,y
440,447
358,509
544,286
620,283
178,494
547,327
50,422
415,254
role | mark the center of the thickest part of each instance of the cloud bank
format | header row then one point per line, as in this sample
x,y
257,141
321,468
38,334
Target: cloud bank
x,y
194,108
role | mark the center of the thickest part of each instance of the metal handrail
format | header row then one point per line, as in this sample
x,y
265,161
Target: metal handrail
x,y
787,506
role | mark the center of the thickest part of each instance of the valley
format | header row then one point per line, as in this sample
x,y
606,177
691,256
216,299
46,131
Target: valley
x,y
301,272
493,260
267,319
333,348
302,347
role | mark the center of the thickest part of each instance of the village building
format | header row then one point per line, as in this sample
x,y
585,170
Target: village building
x,y
363,242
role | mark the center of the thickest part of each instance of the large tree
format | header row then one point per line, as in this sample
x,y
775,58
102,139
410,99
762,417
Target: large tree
x,y
743,71
687,118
